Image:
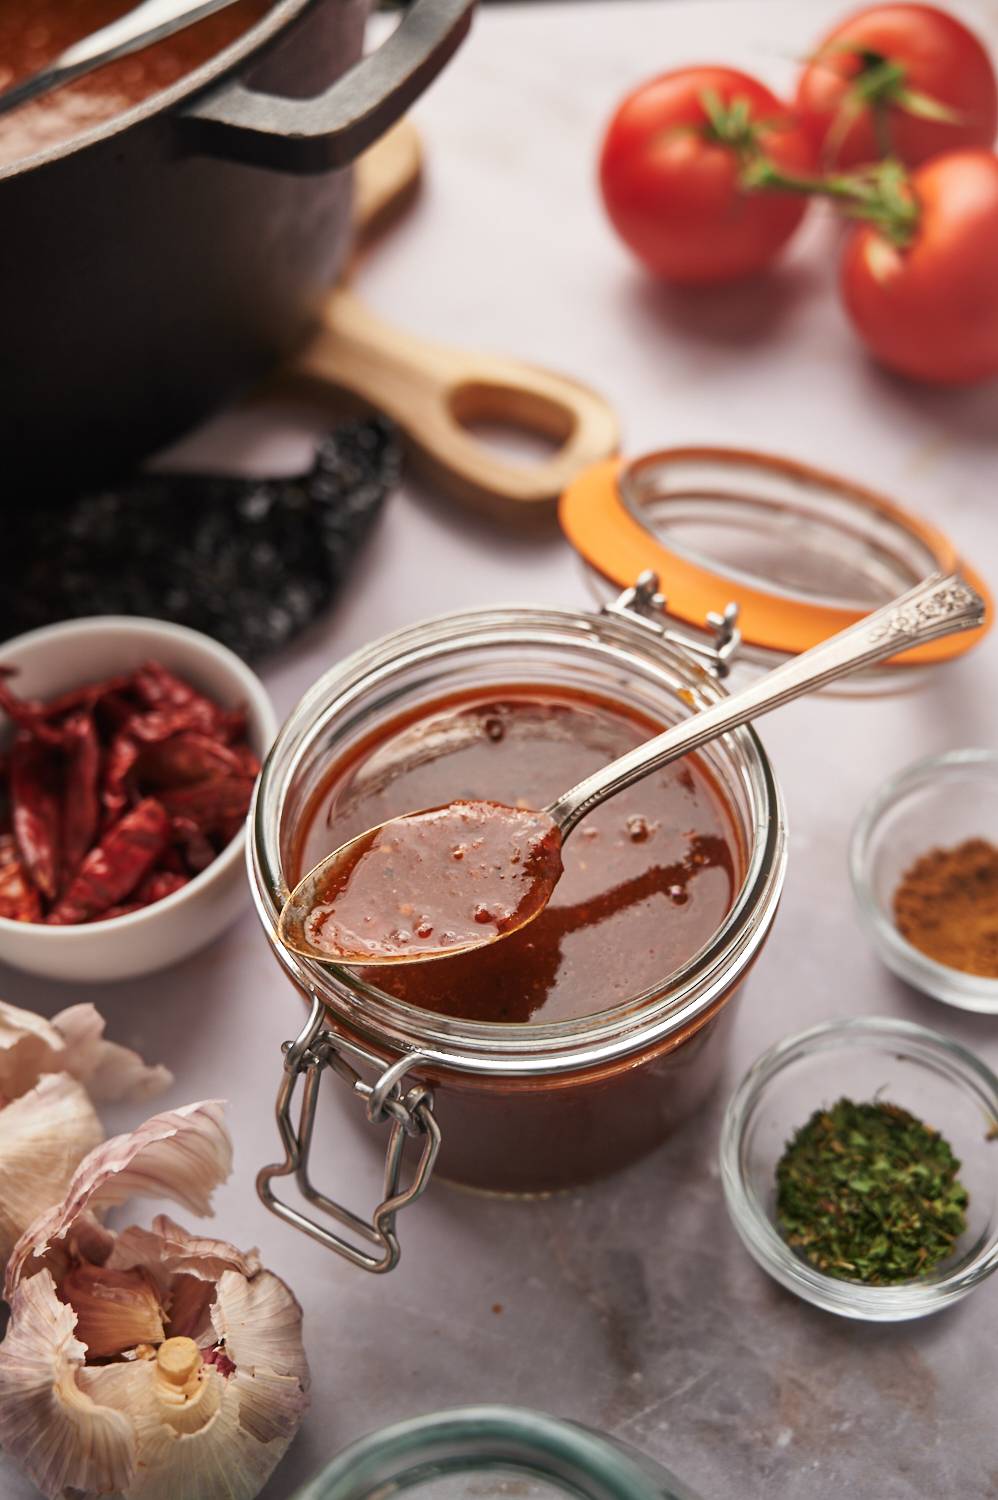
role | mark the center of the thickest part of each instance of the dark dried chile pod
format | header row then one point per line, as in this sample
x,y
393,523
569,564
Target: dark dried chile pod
x,y
250,561
196,849
26,713
176,701
184,758
88,696
216,806
19,900
159,883
81,800
116,796
249,764
36,803
198,717
118,864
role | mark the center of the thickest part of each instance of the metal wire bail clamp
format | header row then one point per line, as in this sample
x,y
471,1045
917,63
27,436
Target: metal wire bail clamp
x,y
411,1114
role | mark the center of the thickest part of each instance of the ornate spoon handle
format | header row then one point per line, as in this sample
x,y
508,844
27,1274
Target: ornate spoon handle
x,y
939,606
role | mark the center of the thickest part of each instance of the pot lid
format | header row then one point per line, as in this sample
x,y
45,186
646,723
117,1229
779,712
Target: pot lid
x,y
803,552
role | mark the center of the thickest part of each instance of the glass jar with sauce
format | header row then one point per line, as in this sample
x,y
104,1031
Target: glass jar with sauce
x,y
573,1047
544,1456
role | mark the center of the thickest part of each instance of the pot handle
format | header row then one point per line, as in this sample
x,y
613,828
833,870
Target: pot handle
x,y
314,135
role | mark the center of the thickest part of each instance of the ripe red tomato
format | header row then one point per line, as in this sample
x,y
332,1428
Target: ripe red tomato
x,y
671,179
914,58
931,310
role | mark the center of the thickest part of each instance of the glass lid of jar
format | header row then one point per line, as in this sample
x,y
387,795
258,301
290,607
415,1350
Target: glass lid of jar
x,y
549,1457
803,552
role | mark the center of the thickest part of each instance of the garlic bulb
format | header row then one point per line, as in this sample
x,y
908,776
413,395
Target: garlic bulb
x,y
50,1074
152,1364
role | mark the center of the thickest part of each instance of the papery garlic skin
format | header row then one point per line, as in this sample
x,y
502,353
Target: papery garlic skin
x,y
206,1400
180,1154
207,1446
72,1042
48,1424
185,1265
115,1310
109,1071
50,1072
44,1134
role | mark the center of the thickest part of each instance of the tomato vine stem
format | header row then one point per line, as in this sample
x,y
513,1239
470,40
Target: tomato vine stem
x,y
880,193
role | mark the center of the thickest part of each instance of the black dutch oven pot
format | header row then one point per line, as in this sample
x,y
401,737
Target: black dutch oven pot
x,y
153,266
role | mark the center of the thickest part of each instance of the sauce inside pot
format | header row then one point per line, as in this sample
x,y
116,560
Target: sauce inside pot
x,y
33,32
648,877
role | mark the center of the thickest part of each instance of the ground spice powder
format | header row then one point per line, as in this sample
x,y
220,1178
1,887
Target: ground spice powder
x,y
946,905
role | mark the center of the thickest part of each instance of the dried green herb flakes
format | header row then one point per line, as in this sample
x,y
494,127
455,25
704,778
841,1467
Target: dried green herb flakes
x,y
867,1192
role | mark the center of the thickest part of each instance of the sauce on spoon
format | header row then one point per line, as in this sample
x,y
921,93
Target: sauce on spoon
x,y
435,883
646,881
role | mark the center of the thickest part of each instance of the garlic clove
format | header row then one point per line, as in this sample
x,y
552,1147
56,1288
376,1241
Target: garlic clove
x,y
173,1388
181,1154
271,1406
190,1309
179,1362
259,1323
111,1072
44,1134
191,1442
185,1267
203,1413
115,1310
61,1437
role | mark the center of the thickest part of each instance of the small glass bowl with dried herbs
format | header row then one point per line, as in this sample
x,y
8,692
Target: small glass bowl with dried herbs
x,y
924,866
860,1167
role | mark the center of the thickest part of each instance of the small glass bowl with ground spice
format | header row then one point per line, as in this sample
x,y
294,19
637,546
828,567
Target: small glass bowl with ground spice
x,y
924,867
860,1167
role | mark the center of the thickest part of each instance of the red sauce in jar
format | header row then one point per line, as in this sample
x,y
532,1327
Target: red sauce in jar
x,y
648,877
33,32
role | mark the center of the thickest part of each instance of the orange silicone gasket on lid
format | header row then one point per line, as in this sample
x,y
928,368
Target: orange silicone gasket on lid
x,y
599,525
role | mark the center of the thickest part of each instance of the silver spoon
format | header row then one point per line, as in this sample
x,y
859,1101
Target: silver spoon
x,y
525,839
146,23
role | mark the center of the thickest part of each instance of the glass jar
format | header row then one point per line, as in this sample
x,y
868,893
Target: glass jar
x,y
548,1456
806,552
511,1108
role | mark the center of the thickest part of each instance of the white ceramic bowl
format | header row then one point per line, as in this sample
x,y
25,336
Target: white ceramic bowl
x,y
63,656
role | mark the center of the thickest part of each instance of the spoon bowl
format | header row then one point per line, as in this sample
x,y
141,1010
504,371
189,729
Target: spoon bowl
x,y
431,884
427,885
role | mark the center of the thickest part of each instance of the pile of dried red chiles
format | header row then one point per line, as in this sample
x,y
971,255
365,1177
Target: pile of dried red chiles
x,y
116,794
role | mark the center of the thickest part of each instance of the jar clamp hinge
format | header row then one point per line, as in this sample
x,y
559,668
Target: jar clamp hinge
x,y
411,1114
645,604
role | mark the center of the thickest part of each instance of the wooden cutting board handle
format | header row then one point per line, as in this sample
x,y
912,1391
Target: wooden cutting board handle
x,y
433,391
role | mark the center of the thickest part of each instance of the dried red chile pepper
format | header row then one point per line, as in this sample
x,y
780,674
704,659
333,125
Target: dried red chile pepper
x,y
116,866
19,900
116,794
81,805
36,807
